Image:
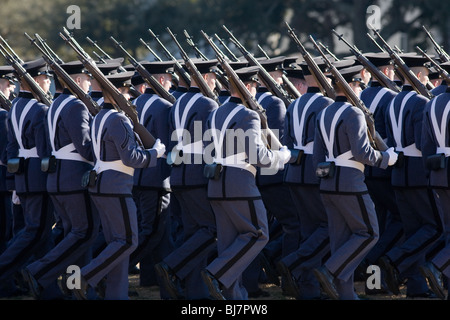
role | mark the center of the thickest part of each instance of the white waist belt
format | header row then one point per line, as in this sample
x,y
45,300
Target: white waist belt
x,y
343,160
117,165
445,151
28,153
410,151
236,161
65,153
308,149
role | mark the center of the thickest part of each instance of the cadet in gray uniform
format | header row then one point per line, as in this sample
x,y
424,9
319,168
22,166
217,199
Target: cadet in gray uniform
x,y
27,144
117,153
377,99
68,122
187,125
242,227
303,184
341,149
422,224
435,153
151,189
7,86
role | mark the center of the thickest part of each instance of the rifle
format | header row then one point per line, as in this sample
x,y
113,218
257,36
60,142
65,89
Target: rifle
x,y
66,79
439,50
221,79
326,88
235,59
105,55
191,42
374,137
5,102
442,72
150,49
403,69
195,74
290,88
375,42
374,71
328,51
9,49
23,74
49,50
109,89
266,78
247,98
147,76
178,67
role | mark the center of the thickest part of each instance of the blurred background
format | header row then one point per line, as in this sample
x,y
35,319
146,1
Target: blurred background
x,y
253,23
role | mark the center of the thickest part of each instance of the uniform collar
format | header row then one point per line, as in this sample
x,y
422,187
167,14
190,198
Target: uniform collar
x,y
149,91
108,106
263,89
375,84
26,94
235,100
313,90
194,89
341,99
407,87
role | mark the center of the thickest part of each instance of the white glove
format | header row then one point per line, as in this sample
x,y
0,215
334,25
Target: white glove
x,y
284,155
159,147
392,156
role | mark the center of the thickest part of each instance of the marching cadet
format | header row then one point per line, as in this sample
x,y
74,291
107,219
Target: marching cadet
x,y
435,153
187,125
418,209
377,99
27,144
297,267
443,85
242,226
110,66
151,188
7,85
341,149
117,153
276,196
182,86
68,122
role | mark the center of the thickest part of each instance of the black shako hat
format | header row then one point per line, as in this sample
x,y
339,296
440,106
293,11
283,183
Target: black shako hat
x,y
413,60
352,74
379,59
320,63
158,67
74,67
37,67
248,73
273,64
206,66
110,65
7,73
294,72
121,79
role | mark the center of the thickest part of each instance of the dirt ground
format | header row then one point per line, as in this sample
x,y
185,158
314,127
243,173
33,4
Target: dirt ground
x,y
137,292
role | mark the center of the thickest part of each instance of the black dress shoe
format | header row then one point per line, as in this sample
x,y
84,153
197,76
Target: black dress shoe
x,y
81,293
169,280
434,278
33,285
326,280
213,285
392,277
291,288
269,269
